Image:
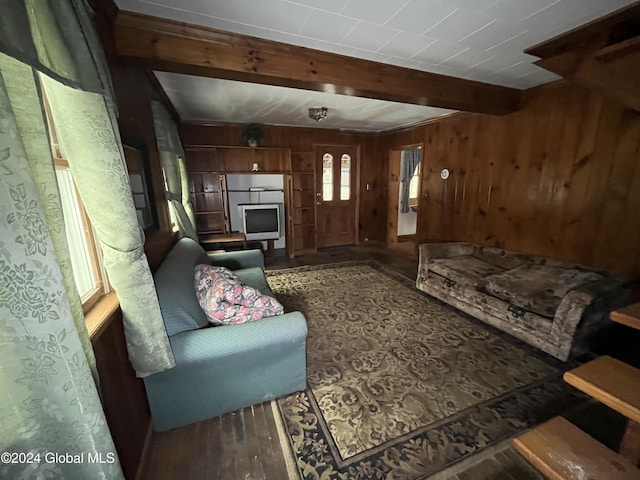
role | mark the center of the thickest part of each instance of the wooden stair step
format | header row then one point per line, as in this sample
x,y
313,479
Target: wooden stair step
x,y
610,381
561,451
629,315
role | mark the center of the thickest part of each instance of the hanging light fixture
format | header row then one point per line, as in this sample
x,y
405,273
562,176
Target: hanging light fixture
x,y
318,113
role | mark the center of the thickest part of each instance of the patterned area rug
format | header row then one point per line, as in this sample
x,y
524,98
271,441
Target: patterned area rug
x,y
401,385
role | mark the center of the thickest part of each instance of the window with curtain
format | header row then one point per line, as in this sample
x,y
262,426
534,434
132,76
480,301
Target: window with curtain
x,y
86,259
172,215
414,186
85,256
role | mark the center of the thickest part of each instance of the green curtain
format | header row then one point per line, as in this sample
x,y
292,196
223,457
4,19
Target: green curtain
x,y
172,158
56,37
49,404
94,152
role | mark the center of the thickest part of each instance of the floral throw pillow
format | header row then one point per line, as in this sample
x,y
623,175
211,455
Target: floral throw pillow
x,y
227,301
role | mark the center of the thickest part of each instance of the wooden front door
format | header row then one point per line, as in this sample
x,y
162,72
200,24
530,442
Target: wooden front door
x,y
336,195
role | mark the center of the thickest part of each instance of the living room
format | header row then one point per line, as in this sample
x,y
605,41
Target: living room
x,y
510,173
549,170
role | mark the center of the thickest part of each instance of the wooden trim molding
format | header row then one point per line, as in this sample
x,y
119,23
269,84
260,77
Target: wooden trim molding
x,y
97,318
161,44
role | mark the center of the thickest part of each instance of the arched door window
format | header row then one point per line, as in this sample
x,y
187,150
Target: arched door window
x,y
327,177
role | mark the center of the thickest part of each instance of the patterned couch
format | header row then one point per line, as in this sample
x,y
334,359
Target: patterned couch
x,y
554,306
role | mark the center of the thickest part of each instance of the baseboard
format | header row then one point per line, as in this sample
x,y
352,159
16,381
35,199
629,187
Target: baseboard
x,y
142,465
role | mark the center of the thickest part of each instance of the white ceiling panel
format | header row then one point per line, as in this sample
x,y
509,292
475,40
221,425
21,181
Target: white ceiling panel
x,y
418,16
439,51
516,11
405,45
469,56
316,26
369,36
481,40
492,34
328,5
227,101
460,24
374,11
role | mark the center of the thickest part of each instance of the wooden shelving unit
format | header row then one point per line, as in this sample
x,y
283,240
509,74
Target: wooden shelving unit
x,y
302,193
207,196
207,164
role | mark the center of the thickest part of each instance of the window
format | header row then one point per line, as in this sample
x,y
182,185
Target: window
x,y
172,214
345,177
327,177
414,186
86,264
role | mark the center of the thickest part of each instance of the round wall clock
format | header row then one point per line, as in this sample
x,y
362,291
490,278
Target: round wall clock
x,y
444,174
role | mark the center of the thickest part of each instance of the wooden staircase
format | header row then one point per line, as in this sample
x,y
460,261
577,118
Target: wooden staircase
x,y
561,451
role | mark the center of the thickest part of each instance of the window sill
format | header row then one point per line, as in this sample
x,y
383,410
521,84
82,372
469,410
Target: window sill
x,y
97,318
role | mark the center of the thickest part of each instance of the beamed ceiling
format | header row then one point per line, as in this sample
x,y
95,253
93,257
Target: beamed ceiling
x,y
376,64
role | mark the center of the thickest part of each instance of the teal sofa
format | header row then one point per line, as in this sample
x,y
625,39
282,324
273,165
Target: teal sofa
x,y
220,369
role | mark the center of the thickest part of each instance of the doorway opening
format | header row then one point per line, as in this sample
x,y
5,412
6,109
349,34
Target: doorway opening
x,y
405,173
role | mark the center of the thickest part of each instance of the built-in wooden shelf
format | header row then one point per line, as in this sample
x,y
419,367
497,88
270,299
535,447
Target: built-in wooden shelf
x,y
629,315
224,238
255,191
610,381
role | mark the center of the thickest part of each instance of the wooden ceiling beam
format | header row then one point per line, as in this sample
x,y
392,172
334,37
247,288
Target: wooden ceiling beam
x,y
172,46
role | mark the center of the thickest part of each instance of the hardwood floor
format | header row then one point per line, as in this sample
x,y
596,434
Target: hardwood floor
x,y
246,444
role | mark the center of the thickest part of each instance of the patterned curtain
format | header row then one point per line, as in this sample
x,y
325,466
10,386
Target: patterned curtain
x,y
58,39
172,158
49,403
410,160
95,157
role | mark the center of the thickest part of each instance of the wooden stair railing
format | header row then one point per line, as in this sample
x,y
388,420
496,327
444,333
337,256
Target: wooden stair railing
x,y
562,451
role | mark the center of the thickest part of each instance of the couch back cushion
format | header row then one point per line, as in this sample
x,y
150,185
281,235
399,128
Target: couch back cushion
x,y
463,270
174,286
538,288
501,258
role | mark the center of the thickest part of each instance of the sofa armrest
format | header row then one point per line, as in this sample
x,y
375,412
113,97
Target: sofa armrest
x,y
429,251
569,313
198,347
237,260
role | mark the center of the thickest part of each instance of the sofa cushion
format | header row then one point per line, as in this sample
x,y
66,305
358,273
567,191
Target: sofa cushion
x,y
538,288
226,300
463,270
254,277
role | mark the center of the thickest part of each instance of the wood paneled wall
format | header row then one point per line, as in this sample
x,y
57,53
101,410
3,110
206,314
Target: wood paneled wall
x,y
372,210
123,395
559,178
